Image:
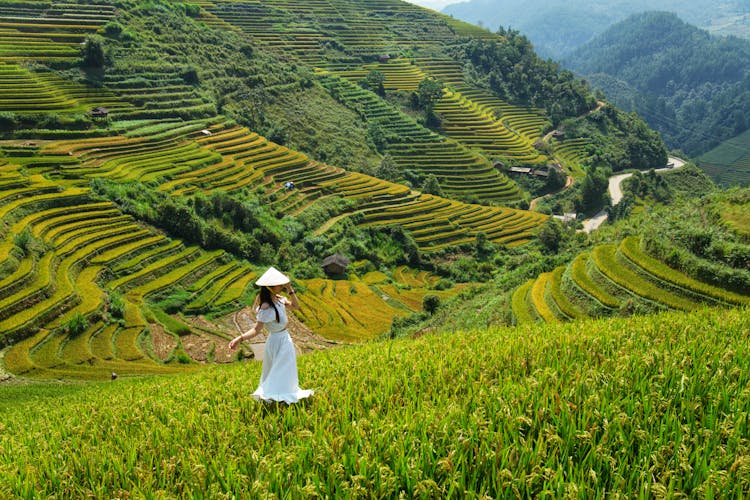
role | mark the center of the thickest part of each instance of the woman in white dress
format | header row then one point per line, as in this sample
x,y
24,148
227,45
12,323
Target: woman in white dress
x,y
278,380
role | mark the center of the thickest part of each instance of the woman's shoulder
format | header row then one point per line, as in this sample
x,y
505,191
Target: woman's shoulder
x,y
264,306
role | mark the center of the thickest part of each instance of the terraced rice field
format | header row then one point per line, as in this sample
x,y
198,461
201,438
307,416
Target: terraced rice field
x,y
729,163
48,32
92,251
612,277
79,278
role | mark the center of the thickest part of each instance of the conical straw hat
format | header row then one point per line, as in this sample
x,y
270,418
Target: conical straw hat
x,y
272,277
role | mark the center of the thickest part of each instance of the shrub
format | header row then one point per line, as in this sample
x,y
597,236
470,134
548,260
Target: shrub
x,y
76,325
93,52
116,305
430,303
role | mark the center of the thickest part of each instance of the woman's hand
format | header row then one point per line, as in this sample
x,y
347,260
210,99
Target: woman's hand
x,y
234,343
293,303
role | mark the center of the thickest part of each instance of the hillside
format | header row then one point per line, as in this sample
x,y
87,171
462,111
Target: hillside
x,y
145,183
690,86
652,406
729,162
674,242
558,28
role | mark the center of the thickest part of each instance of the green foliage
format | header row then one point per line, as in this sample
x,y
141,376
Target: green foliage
x,y
76,325
387,170
428,93
26,242
430,303
431,186
550,234
619,140
446,386
515,73
688,85
374,82
594,194
170,323
116,305
93,52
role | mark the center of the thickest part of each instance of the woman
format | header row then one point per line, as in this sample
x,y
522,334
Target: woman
x,y
278,378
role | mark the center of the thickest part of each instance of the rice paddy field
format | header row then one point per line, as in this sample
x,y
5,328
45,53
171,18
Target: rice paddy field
x,y
729,163
649,407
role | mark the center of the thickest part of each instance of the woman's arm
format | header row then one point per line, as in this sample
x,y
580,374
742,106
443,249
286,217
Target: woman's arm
x,y
292,303
247,335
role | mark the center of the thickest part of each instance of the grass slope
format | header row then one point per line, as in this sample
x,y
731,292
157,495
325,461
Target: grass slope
x,y
645,406
728,164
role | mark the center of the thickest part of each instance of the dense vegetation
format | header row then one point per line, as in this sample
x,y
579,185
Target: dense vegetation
x,y
513,71
558,29
243,134
647,406
690,86
671,244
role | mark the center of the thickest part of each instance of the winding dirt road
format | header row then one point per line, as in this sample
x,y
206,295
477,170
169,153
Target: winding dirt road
x,y
615,192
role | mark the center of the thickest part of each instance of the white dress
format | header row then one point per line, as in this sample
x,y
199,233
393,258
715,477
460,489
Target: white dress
x,y
278,379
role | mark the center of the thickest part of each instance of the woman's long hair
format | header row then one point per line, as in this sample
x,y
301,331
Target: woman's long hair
x,y
266,295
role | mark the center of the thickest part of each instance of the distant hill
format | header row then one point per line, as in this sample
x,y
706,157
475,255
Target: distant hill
x,y
689,85
558,29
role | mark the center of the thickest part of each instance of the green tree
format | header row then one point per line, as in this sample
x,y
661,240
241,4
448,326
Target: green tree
x,y
374,81
593,190
387,170
432,186
93,52
550,234
429,92
430,303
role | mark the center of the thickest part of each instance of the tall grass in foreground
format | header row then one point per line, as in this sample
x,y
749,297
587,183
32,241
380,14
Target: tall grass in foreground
x,y
647,406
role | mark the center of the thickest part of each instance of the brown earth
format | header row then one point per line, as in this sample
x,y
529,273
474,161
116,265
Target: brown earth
x,y
214,335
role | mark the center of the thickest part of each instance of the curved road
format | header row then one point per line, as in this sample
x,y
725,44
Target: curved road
x,y
616,194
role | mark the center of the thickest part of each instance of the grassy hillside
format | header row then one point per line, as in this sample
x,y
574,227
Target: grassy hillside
x,y
129,236
728,164
646,406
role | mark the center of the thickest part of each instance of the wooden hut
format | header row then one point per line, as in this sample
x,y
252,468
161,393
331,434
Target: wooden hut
x,y
335,265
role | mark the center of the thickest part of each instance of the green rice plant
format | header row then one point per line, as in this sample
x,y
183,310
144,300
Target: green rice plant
x,y
170,322
101,342
604,257
630,248
581,278
126,344
560,298
583,406
520,304
538,295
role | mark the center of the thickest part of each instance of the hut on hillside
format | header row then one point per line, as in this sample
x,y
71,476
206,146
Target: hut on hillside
x,y
335,265
99,113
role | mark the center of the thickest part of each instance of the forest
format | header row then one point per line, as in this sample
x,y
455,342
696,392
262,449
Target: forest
x,y
556,29
694,88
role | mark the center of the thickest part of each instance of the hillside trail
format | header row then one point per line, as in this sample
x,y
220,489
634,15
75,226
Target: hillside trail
x,y
569,180
568,183
615,193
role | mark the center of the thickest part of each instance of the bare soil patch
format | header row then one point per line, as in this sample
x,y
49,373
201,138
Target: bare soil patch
x,y
162,342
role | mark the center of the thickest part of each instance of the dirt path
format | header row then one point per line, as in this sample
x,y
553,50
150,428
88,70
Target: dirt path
x,y
568,183
569,180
